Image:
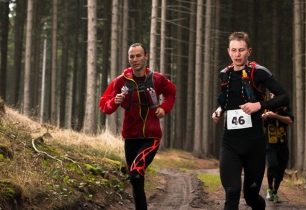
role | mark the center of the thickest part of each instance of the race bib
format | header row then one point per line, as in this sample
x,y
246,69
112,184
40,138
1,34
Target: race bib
x,y
238,119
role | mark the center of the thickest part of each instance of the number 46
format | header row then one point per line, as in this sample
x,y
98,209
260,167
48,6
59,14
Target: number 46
x,y
238,120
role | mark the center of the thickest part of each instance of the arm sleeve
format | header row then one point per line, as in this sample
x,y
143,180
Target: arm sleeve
x,y
281,97
168,90
286,111
107,101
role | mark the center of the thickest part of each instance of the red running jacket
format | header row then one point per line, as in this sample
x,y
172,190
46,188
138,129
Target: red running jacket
x,y
134,125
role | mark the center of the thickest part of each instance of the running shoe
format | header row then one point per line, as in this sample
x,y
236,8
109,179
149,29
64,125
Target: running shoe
x,y
275,198
269,196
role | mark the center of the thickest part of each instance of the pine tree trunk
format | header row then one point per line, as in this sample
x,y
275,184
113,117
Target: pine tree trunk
x,y
153,34
79,67
303,103
217,134
36,56
4,47
189,134
28,52
106,54
125,33
90,121
43,82
299,120
113,120
18,43
162,65
179,101
53,65
65,71
207,80
198,81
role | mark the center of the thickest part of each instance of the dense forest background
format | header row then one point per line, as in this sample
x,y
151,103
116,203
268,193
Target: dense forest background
x,y
57,57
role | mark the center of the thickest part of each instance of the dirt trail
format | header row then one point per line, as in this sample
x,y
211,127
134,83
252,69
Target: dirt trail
x,y
178,187
183,191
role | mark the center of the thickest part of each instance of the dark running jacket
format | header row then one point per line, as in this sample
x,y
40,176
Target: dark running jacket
x,y
233,94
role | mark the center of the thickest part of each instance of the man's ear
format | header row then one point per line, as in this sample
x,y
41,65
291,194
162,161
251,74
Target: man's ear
x,y
250,51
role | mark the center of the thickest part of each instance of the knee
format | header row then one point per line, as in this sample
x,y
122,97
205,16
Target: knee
x,y
232,197
232,193
136,178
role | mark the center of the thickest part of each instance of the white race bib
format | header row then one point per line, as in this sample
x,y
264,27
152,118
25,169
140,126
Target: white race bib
x,y
238,119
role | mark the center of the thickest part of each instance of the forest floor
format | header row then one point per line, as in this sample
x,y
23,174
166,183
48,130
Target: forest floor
x,y
43,167
181,189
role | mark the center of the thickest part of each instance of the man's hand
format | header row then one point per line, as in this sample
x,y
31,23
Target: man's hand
x,y
250,108
119,98
268,114
160,112
217,115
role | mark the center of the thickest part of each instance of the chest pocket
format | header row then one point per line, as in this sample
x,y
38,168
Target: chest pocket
x,y
145,90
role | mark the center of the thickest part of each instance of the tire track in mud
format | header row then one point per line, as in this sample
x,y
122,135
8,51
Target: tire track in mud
x,y
182,191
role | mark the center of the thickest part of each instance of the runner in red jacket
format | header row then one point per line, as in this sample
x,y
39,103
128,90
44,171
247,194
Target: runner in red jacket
x,y
137,91
140,120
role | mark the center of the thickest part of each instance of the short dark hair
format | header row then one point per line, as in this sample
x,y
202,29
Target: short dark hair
x,y
240,35
141,45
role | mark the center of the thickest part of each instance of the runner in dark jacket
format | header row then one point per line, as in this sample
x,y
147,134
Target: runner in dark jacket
x,y
276,122
137,91
243,145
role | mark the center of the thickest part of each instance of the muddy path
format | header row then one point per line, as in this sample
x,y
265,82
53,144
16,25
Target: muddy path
x,y
176,186
183,191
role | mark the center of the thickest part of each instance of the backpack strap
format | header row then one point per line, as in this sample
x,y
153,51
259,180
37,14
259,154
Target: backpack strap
x,y
147,88
248,84
149,80
130,84
151,95
253,65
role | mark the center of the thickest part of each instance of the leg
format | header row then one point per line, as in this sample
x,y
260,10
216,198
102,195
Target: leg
x,y
282,157
271,158
139,154
230,174
282,153
139,194
254,171
272,165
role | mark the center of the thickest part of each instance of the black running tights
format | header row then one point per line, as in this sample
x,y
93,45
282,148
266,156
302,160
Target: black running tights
x,y
139,154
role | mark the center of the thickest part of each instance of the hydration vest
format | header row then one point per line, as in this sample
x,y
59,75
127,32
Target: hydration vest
x,y
145,89
253,93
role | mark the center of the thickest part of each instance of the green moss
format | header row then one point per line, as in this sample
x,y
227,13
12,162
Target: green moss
x,y
73,167
211,181
67,180
46,163
47,148
95,170
9,191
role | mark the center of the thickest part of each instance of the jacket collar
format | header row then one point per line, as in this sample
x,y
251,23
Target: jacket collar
x,y
128,72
